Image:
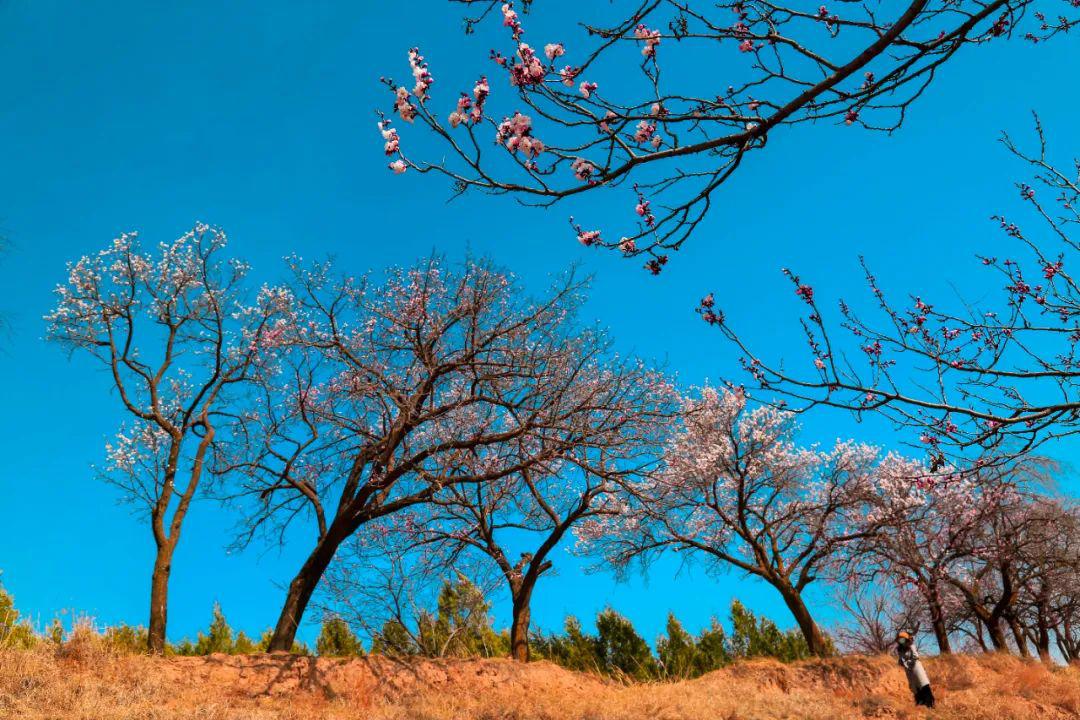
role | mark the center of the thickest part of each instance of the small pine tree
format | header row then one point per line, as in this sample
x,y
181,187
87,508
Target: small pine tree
x,y
677,651
126,639
760,637
712,649
393,640
243,645
573,649
14,633
55,633
622,649
218,638
337,639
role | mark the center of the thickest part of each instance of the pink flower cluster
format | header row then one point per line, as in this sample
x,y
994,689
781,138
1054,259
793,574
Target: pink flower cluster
x,y
585,237
530,71
516,134
605,124
587,89
393,142
510,20
651,39
392,145
554,50
462,112
471,110
644,132
423,78
403,105
643,210
583,169
568,74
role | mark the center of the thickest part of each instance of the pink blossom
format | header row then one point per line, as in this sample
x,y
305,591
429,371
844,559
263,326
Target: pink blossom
x,y
746,45
583,169
393,142
589,237
554,50
510,20
644,131
530,71
403,105
587,89
480,95
651,38
628,246
851,117
420,74
398,166
568,74
462,113
604,124
515,133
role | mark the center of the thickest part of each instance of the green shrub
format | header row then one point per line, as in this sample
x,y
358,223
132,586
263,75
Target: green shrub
x,y
337,639
622,650
14,633
124,638
460,626
754,636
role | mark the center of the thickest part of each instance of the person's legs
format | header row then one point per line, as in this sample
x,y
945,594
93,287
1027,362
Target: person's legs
x,y
924,696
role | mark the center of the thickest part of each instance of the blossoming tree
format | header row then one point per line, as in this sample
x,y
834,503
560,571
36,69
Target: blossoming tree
x,y
927,528
569,115
179,339
736,492
989,380
530,513
396,391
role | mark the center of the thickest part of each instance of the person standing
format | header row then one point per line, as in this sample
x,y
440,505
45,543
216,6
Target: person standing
x,y
917,679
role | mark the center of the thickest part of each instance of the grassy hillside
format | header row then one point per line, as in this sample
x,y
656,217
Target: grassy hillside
x,y
83,680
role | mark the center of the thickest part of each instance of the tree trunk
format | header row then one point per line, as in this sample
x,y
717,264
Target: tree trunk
x,y
979,635
941,633
303,586
1042,630
815,641
1018,636
159,598
519,626
997,635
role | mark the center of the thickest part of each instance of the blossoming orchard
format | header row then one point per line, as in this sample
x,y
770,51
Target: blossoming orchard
x,y
458,426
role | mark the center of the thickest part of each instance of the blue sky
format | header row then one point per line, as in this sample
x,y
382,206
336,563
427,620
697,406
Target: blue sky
x,y
258,117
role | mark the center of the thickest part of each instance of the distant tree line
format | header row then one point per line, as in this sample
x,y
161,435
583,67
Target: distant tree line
x,y
460,626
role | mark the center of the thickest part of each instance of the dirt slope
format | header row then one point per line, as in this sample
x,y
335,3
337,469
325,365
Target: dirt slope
x,y
86,683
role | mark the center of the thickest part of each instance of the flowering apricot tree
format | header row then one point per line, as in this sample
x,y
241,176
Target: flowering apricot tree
x,y
736,492
927,528
556,117
178,338
395,391
530,513
984,379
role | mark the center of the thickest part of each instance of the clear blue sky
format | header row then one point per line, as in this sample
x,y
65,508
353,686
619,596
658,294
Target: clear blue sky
x,y
258,117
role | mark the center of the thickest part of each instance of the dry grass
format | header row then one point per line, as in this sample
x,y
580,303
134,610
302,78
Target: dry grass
x,y
84,680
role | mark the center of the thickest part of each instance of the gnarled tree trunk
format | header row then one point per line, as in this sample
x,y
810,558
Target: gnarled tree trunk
x,y
815,640
519,625
303,585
